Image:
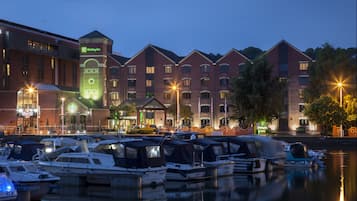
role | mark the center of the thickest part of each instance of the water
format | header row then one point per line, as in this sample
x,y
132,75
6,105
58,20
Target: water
x,y
337,182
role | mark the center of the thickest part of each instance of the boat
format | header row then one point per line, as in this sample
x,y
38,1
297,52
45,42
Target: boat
x,y
113,162
181,160
297,156
7,188
26,176
270,149
243,153
211,150
23,150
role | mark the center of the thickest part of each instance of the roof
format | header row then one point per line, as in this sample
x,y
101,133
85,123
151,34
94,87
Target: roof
x,y
231,51
37,30
95,34
147,103
120,59
211,56
168,53
290,45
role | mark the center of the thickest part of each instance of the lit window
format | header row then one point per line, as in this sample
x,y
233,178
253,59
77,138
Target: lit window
x,y
132,70
304,66
52,63
168,69
8,68
114,83
3,54
114,96
148,83
187,82
223,94
150,70
301,93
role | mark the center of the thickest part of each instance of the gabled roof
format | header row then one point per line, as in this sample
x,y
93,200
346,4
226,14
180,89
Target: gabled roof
x,y
166,53
95,34
290,45
146,103
204,55
211,56
120,59
236,51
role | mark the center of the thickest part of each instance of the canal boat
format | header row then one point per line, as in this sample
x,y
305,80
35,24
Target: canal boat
x,y
270,149
28,177
297,156
243,153
116,162
210,150
181,160
7,188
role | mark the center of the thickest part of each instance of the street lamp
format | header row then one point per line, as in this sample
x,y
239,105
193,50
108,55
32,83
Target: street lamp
x,y
62,115
175,87
340,87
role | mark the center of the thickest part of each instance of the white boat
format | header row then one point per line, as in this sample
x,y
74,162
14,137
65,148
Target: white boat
x,y
210,151
243,153
181,163
7,188
27,177
118,163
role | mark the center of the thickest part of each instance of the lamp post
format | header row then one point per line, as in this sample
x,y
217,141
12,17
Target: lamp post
x,y
340,86
62,115
176,88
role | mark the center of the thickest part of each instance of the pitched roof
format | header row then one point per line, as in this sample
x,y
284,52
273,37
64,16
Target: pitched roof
x,y
147,103
95,34
290,45
211,56
204,55
168,53
236,51
120,59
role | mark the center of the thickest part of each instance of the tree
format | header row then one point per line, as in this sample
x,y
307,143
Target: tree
x,y
332,65
185,111
350,107
257,96
252,52
325,112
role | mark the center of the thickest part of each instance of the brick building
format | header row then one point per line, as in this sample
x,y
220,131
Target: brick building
x,y
92,78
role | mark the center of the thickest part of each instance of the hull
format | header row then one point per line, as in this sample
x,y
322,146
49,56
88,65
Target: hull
x,y
98,174
184,172
219,168
249,165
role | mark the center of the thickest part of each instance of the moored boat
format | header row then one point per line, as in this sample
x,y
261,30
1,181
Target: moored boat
x,y
7,188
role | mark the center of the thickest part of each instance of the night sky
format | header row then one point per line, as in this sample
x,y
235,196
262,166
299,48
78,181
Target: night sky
x,y
184,25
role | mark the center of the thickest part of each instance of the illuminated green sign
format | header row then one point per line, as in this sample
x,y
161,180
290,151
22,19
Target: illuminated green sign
x,y
90,49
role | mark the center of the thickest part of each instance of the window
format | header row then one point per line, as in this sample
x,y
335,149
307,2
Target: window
x,y
241,68
114,96
168,68
221,108
303,122
223,94
186,95
8,69
205,109
186,69
167,96
131,153
205,68
53,63
96,161
3,54
114,83
301,107
131,83
150,70
301,93
114,71
205,95
186,82
283,70
223,68
304,65
149,94
131,70
131,95
167,82
205,122
303,79
223,122
224,82
148,83
204,82
153,151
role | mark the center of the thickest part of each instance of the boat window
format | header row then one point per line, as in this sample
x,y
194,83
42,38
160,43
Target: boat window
x,y
79,160
233,148
217,150
252,148
131,153
17,169
3,170
168,150
62,159
153,151
17,149
225,146
118,150
96,161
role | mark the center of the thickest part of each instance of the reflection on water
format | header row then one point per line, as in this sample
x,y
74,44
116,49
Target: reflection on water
x,y
337,182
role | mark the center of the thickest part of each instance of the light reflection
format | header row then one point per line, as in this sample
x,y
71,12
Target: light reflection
x,y
342,189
